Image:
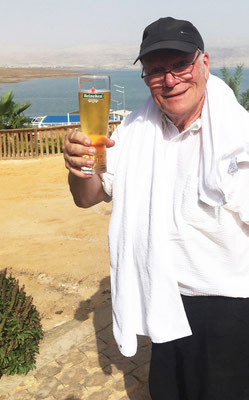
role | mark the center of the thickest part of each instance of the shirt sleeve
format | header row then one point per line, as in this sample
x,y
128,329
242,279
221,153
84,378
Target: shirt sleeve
x,y
238,196
107,181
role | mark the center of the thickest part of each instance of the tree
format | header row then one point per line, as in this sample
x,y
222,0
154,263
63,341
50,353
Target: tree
x,y
11,113
234,83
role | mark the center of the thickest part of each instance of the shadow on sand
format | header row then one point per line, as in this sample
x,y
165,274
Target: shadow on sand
x,y
134,370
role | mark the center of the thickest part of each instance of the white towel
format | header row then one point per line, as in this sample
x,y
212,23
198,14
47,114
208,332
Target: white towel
x,y
145,294
225,141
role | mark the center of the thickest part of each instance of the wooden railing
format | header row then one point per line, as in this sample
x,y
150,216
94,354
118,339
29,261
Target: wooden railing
x,y
36,142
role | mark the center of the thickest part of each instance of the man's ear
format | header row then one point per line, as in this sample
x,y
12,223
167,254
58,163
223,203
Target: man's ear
x,y
206,64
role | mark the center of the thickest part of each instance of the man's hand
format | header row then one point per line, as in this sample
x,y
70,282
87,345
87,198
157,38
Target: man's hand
x,y
76,146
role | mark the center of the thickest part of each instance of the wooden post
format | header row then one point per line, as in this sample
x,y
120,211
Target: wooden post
x,y
27,144
8,138
17,145
4,145
46,142
58,142
12,146
112,127
22,144
41,143
13,151
36,143
1,150
52,140
31,143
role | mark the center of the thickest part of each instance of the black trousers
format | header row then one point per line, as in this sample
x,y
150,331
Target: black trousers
x,y
213,363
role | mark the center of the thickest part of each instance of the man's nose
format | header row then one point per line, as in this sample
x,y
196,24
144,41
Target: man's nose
x,y
169,80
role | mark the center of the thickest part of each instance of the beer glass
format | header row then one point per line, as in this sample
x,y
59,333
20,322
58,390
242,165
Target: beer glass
x,y
94,106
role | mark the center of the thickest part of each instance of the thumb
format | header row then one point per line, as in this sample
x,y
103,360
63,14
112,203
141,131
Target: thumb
x,y
110,142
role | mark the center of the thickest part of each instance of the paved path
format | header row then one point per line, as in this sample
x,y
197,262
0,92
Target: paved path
x,y
80,360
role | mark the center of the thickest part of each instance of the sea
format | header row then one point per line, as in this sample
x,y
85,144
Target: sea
x,y
59,96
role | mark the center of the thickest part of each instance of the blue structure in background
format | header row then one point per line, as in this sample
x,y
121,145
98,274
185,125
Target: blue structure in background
x,y
60,120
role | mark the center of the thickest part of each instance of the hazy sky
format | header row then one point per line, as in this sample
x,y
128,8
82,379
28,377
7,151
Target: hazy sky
x,y
65,23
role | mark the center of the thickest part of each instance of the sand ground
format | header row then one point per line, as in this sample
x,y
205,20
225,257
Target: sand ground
x,y
58,251
13,75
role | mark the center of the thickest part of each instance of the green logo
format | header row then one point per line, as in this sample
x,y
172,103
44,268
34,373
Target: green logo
x,y
98,96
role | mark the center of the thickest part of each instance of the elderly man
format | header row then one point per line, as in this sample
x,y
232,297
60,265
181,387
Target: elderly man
x,y
178,175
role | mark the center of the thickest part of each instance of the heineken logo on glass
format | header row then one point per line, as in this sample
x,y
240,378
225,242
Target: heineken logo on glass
x,y
93,95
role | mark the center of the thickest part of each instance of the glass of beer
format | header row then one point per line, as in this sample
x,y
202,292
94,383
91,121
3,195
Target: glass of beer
x,y
94,106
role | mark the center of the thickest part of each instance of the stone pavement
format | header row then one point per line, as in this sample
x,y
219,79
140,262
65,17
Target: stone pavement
x,y
80,360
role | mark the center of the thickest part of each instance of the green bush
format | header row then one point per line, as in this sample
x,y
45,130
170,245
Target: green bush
x,y
11,113
20,328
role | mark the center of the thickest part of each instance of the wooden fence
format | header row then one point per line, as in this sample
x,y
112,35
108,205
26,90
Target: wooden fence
x,y
36,142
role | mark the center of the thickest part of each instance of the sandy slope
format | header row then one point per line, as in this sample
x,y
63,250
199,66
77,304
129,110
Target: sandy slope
x,y
57,250
12,75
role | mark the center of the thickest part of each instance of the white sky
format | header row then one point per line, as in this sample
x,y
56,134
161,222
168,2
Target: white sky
x,y
64,23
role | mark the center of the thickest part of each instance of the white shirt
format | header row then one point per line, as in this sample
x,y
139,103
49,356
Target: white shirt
x,y
179,217
210,245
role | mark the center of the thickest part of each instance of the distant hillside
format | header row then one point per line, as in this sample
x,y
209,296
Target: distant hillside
x,y
99,56
229,56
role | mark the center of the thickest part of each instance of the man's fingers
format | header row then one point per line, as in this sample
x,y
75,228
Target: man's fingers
x,y
74,164
79,137
78,161
110,142
79,150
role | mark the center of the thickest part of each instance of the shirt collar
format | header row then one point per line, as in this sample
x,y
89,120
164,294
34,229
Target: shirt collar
x,y
171,131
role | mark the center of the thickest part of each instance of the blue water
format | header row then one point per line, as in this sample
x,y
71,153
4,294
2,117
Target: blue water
x,y
59,96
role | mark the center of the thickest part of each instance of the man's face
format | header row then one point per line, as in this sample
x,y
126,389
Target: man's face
x,y
179,98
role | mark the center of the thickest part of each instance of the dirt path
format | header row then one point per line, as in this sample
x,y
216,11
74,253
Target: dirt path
x,y
57,250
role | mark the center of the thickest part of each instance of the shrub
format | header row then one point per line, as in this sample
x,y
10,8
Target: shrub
x,y
11,113
20,328
234,83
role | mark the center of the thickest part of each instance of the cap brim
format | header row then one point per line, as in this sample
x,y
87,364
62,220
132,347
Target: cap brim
x,y
168,45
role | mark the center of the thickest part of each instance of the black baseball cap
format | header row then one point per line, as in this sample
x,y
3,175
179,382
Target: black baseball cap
x,y
170,33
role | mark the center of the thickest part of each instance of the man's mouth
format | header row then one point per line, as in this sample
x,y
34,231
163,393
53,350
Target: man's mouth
x,y
168,96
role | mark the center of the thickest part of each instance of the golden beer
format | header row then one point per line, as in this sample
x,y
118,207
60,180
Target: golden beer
x,y
94,107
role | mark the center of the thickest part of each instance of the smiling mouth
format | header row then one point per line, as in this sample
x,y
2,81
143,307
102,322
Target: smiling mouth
x,y
168,96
